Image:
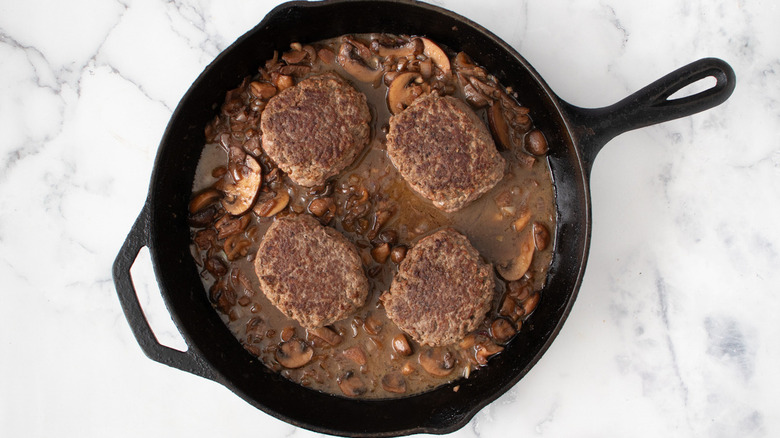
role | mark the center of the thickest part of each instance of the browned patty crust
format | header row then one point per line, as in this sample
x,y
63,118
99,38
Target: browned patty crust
x,y
310,272
442,289
316,128
444,151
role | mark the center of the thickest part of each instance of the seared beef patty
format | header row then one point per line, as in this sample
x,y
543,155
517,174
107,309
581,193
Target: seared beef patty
x,y
315,129
444,151
311,273
442,289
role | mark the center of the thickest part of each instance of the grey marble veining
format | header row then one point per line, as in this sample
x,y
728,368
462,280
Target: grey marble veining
x,y
674,332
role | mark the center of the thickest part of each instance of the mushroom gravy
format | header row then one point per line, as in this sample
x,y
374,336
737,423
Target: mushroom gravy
x,y
238,191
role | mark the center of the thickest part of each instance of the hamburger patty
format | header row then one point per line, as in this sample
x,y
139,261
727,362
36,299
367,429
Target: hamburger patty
x,y
316,128
442,289
310,272
444,151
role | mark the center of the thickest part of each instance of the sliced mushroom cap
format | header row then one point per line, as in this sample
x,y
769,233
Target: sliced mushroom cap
x,y
380,253
262,90
356,354
473,96
404,90
529,305
535,143
360,48
485,350
328,335
204,199
255,329
393,49
464,65
511,310
437,55
394,382
518,266
502,330
372,325
240,194
499,126
522,220
274,205
351,385
295,56
438,361
203,217
326,55
294,354
398,254
401,345
319,206
355,65
541,236
282,82
229,225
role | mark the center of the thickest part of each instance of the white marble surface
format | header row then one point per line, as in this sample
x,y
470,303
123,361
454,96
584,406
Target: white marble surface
x,y
675,332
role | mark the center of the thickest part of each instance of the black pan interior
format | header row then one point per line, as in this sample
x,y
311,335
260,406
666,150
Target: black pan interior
x,y
439,411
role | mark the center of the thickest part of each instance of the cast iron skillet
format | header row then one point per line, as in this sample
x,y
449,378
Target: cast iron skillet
x,y
576,135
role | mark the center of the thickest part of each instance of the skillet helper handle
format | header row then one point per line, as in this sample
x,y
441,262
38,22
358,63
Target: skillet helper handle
x,y
651,105
128,298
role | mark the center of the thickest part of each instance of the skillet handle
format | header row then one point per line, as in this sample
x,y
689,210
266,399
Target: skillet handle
x,y
594,127
184,360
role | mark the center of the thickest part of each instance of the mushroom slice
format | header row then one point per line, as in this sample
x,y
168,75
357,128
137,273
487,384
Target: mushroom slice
x,y
351,385
522,221
326,55
255,330
360,48
465,66
356,354
401,345
541,236
473,96
437,361
437,55
380,253
518,266
282,82
394,382
530,303
241,194
262,90
485,350
404,90
502,330
294,354
535,143
327,335
274,205
499,126
372,325
204,199
295,56
412,48
203,217
487,87
356,65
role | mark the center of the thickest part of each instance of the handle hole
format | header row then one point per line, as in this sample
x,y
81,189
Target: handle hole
x,y
152,304
694,88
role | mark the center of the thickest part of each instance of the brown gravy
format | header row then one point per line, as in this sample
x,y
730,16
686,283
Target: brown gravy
x,y
360,355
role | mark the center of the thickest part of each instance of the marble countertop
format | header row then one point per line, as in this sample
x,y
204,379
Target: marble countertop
x,y
675,329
